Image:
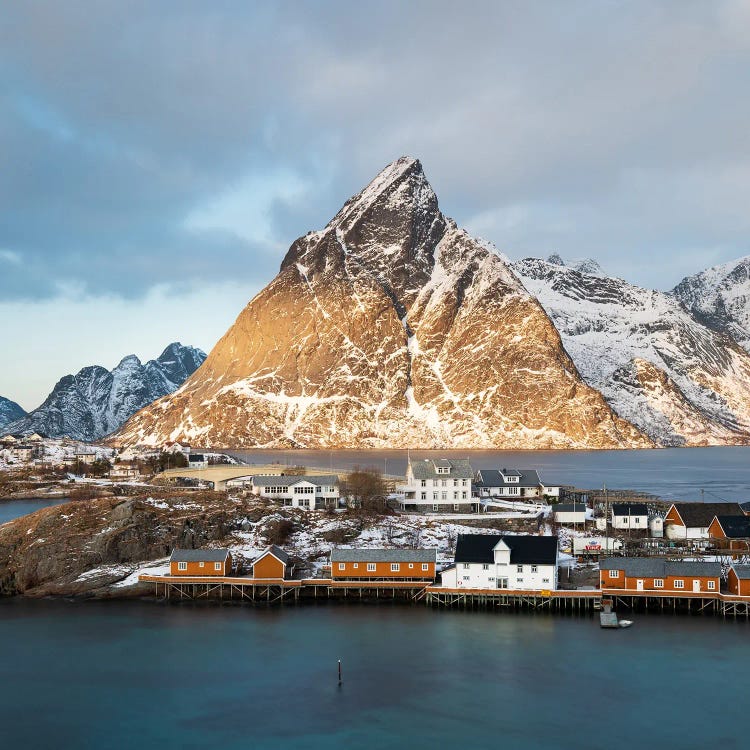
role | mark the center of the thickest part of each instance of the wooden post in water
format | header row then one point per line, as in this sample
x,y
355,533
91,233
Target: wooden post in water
x,y
339,672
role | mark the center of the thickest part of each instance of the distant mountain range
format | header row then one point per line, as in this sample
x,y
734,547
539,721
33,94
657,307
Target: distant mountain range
x,y
10,411
97,401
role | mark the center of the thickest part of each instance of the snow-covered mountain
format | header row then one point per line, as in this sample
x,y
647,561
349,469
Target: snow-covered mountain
x,y
389,327
659,367
10,411
720,298
96,401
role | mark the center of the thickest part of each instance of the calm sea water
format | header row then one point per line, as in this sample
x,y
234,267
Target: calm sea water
x,y
150,675
673,474
10,509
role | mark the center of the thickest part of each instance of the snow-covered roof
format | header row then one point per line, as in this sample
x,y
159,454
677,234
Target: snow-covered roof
x,y
287,480
346,554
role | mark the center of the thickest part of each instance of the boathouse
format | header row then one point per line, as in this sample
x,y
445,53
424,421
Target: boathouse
x,y
630,516
273,563
692,520
200,562
573,513
383,564
657,575
738,580
511,562
730,532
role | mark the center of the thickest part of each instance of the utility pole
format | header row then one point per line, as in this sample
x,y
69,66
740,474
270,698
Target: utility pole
x,y
606,521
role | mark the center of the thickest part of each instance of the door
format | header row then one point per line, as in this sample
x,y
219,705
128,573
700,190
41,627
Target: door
x,y
639,584
696,584
502,583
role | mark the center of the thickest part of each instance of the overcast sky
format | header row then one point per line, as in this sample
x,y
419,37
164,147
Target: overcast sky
x,y
159,158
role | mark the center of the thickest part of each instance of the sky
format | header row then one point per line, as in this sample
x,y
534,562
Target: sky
x,y
157,159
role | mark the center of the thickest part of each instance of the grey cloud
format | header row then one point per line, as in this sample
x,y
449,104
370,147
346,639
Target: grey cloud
x,y
616,130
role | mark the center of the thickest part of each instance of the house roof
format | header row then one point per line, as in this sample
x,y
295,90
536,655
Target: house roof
x,y
460,468
741,571
345,554
287,480
276,551
495,478
629,509
735,527
700,515
654,567
195,457
199,555
570,508
479,548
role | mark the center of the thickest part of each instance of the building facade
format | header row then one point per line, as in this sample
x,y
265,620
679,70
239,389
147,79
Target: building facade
x,y
510,562
632,516
692,520
273,564
439,486
297,491
383,564
200,562
659,576
738,580
512,484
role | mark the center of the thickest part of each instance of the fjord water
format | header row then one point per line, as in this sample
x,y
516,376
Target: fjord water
x,y
671,473
150,675
10,509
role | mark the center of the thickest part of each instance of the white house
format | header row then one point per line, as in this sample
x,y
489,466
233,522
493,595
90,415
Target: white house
x,y
175,447
512,484
197,461
570,513
309,492
496,561
630,516
439,485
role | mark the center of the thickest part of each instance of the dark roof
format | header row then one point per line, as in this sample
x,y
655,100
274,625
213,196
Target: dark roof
x,y
478,548
196,457
570,508
495,478
345,554
629,509
287,480
745,507
742,571
700,515
460,468
655,567
276,551
735,527
199,555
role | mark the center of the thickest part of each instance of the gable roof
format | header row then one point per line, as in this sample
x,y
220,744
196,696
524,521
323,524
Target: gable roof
x,y
460,468
524,548
570,508
347,554
195,457
735,527
276,551
199,555
741,571
700,515
495,478
655,567
629,509
287,480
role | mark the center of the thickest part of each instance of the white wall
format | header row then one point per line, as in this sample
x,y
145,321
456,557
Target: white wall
x,y
570,517
475,576
630,522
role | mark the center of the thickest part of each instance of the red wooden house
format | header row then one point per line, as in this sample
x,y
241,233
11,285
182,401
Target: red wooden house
x,y
200,562
738,580
659,576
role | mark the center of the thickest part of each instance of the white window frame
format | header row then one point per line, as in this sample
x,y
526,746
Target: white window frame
x,y
679,583
181,566
395,568
711,585
614,573
342,566
519,568
658,583
371,567
201,564
218,566
425,566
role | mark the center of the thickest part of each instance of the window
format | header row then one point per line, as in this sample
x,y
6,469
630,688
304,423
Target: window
x,y
485,566
411,565
614,573
424,496
182,566
637,520
463,483
445,483
679,584
533,568
491,580
443,495
658,583
545,580
512,490
424,483
711,585
463,495
342,566
466,566
217,566
434,507
466,578
394,567
519,568
319,490
455,482
355,565
455,495
201,564
455,506
304,490
371,567
425,566
519,580
435,497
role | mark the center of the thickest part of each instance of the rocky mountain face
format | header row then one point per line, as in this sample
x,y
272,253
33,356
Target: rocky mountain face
x,y
97,401
678,380
720,298
389,327
10,411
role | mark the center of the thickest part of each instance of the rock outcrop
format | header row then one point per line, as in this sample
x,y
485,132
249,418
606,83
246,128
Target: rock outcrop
x,y
390,327
96,401
10,412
